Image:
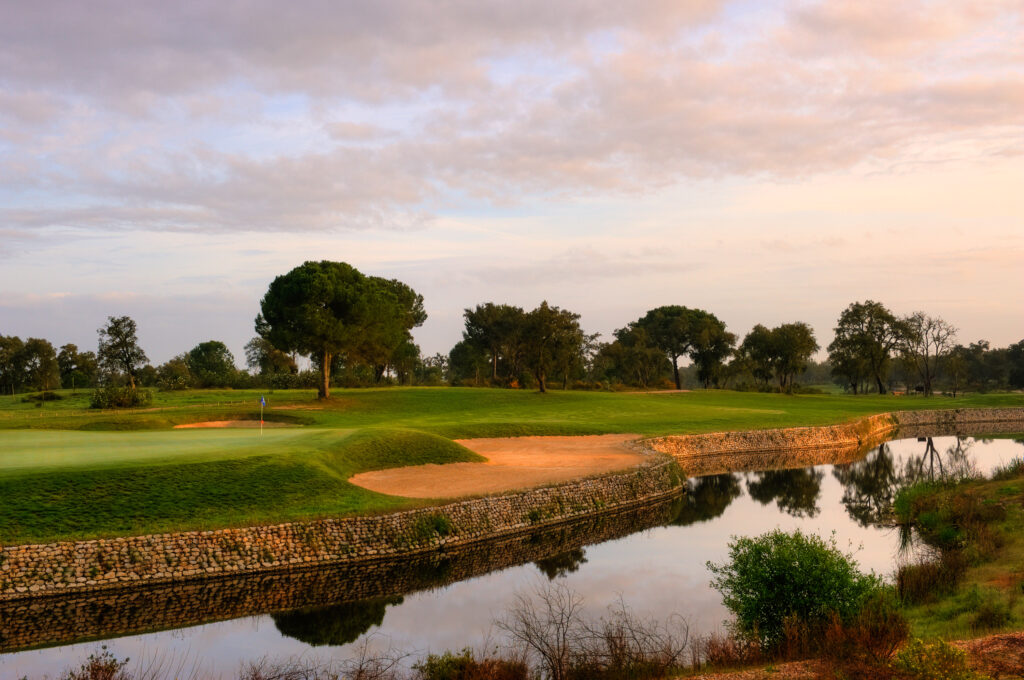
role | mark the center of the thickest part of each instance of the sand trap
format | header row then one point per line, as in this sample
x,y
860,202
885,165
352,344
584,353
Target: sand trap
x,y
512,463
229,423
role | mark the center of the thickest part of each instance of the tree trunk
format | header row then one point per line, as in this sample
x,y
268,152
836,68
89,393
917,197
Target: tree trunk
x,y
494,366
881,387
675,371
541,381
325,377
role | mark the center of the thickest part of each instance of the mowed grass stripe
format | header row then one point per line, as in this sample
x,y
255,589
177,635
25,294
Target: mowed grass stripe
x,y
27,451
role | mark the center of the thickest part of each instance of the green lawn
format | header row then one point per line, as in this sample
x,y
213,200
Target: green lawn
x,y
66,472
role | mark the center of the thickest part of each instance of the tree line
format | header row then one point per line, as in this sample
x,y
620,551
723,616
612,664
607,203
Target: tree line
x,y
356,330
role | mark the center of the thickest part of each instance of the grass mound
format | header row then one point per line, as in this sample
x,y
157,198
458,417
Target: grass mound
x,y
382,448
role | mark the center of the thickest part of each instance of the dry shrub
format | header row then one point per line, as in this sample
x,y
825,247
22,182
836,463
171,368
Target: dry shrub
x,y
871,637
548,627
921,581
727,650
101,666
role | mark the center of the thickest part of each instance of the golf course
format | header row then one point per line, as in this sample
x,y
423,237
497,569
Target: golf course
x,y
68,472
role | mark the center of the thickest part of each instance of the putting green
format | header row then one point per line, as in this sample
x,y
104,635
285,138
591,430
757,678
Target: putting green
x,y
37,450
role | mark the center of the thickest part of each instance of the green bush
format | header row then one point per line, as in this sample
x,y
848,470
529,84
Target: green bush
x,y
779,575
113,396
936,660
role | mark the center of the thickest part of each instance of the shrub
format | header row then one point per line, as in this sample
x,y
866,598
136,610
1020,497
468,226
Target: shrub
x,y
778,575
872,635
464,666
102,666
1012,469
113,396
990,610
935,660
723,650
924,580
41,397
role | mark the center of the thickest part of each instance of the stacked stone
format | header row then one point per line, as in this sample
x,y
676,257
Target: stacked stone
x,y
702,454
31,622
31,570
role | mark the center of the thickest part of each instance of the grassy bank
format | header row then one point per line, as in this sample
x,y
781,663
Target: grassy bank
x,y
974,584
68,472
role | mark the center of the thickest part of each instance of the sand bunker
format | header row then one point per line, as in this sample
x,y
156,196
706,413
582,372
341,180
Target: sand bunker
x,y
229,423
512,463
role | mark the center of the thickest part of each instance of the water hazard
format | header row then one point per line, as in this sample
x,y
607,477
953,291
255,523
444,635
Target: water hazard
x,y
653,559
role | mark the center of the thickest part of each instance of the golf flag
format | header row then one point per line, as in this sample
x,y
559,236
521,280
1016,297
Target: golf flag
x,y
263,402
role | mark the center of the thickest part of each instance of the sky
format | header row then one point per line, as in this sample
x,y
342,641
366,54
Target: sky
x,y
766,161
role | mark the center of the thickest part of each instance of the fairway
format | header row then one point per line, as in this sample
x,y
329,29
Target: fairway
x,y
68,473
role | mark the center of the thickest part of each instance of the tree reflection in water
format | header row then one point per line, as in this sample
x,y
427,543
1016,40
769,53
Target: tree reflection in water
x,y
871,485
794,491
706,498
337,624
562,563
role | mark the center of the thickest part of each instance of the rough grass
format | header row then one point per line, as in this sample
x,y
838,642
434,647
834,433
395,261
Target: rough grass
x,y
70,472
987,520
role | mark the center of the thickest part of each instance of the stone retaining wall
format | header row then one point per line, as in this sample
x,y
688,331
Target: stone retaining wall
x,y
60,568
701,454
34,622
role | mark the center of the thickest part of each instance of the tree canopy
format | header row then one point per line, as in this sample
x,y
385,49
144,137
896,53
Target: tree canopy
x,y
867,334
328,310
680,331
211,364
553,339
119,350
779,353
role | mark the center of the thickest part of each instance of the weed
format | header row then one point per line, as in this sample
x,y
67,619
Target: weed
x,y
433,524
935,660
102,666
927,579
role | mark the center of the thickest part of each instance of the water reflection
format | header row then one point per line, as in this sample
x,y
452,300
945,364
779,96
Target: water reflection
x,y
562,564
337,624
795,492
707,498
871,485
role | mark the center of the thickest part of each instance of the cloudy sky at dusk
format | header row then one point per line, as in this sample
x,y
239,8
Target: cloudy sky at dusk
x,y
766,161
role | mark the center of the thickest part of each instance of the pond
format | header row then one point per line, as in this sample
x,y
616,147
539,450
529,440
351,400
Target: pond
x,y
654,560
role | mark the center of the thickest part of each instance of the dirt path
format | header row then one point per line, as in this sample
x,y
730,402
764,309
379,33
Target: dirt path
x,y
999,656
512,463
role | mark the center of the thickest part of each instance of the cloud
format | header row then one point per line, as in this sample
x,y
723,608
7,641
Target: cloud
x,y
348,116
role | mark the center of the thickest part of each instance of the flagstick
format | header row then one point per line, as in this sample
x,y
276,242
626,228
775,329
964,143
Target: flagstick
x,y
261,417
